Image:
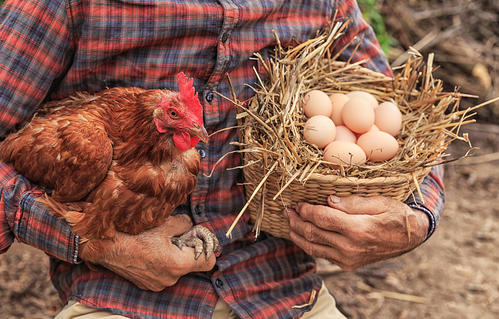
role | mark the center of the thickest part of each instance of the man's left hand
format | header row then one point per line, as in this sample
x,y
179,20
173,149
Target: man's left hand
x,y
355,231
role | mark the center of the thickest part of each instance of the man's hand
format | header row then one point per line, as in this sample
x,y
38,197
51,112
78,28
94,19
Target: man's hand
x,y
355,231
149,260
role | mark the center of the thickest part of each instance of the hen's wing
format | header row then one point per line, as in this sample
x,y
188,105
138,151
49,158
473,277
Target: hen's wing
x,y
68,153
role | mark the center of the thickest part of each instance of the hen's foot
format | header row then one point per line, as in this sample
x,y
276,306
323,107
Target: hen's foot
x,y
200,238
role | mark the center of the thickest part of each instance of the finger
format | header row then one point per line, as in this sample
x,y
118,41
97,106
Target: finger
x,y
346,262
146,283
314,234
355,204
326,217
316,250
144,280
189,264
203,264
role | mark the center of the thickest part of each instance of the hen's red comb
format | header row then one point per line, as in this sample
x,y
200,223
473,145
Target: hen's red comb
x,y
189,96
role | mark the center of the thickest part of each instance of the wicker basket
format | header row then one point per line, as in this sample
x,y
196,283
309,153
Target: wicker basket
x,y
281,170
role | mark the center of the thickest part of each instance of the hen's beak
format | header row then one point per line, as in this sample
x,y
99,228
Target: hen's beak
x,y
200,132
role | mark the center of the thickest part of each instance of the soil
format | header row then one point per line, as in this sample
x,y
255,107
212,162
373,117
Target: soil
x,y
452,275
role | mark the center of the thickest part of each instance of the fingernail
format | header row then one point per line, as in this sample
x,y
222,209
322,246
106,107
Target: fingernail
x,y
334,199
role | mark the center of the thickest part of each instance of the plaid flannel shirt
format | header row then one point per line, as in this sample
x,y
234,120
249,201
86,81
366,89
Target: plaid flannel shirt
x,y
51,48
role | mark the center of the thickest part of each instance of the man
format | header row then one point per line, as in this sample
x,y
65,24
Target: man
x,y
53,48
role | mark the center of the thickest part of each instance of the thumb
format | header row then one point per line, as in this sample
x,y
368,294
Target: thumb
x,y
355,204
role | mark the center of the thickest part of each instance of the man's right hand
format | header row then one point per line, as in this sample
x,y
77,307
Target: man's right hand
x,y
149,259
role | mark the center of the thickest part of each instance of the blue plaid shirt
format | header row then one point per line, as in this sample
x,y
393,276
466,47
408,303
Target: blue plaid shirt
x,y
52,48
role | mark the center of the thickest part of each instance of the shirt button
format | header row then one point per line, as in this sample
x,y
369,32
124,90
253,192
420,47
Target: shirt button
x,y
225,36
209,97
197,210
202,153
219,283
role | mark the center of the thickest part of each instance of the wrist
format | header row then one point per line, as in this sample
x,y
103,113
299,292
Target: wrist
x,y
89,250
426,217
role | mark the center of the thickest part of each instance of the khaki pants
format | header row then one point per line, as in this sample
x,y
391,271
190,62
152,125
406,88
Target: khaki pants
x,y
324,308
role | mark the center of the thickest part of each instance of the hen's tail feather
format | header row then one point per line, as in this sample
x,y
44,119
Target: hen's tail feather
x,y
86,225
71,213
73,217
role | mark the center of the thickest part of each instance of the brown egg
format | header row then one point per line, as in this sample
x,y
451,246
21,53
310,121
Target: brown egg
x,y
317,102
344,153
358,115
379,146
388,118
338,100
367,96
319,130
344,134
374,127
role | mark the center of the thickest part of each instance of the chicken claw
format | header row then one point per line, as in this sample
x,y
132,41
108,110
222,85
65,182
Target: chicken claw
x,y
200,238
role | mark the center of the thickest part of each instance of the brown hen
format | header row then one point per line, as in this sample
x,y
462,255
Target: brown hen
x,y
118,160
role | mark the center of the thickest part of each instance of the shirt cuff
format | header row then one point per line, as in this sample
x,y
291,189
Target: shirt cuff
x,y
35,225
433,198
431,218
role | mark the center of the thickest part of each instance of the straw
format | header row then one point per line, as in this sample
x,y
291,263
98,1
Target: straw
x,y
273,120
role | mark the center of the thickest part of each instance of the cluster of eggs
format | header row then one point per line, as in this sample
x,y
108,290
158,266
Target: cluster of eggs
x,y
351,128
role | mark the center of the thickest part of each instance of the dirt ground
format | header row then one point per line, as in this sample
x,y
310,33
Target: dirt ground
x,y
453,275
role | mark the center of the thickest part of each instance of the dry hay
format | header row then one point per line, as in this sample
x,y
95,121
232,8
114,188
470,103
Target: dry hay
x,y
281,169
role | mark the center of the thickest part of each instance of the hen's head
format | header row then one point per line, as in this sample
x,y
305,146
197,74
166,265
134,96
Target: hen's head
x,y
182,115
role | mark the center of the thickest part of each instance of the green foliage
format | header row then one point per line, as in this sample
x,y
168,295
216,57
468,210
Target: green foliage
x,y
370,10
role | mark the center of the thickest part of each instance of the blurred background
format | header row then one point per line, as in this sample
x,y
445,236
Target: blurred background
x,y
453,275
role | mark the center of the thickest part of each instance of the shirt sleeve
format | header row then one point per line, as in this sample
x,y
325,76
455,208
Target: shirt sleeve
x,y
35,49
23,218
432,203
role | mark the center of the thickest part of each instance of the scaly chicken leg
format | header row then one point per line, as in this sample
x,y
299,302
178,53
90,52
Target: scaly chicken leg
x,y
200,238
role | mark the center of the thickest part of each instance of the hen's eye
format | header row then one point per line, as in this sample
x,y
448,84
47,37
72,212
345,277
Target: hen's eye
x,y
173,114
